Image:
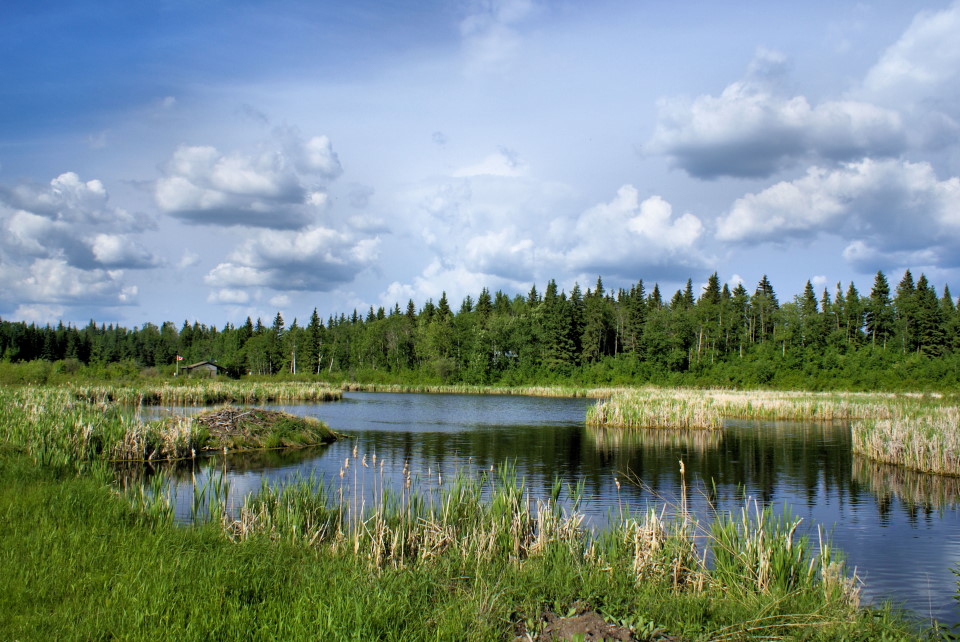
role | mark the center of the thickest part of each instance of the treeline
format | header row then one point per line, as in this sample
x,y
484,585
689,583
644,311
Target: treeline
x,y
906,337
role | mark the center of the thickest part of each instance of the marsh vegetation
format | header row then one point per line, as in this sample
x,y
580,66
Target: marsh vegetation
x,y
474,553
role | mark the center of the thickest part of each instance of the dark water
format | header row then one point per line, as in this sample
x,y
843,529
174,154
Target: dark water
x,y
900,530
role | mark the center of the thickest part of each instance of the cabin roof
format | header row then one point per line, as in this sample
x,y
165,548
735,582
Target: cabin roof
x,y
201,363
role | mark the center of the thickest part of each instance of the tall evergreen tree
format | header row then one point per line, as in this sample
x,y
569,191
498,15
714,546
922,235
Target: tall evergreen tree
x,y
905,312
879,312
929,320
764,306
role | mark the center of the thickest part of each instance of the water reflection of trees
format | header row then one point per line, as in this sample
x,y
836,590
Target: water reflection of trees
x,y
759,457
919,493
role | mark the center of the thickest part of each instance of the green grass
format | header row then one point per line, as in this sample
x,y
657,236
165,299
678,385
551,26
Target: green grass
x,y
78,562
55,427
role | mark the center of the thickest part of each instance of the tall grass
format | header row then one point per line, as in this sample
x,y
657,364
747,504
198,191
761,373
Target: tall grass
x,y
486,515
689,408
54,427
77,562
752,562
924,438
466,389
634,410
208,392
921,432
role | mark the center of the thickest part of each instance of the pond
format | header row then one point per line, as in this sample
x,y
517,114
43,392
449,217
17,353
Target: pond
x,y
901,530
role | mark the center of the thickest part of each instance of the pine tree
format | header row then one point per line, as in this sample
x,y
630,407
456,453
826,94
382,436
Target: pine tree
x,y
879,312
810,331
741,322
854,316
764,306
556,341
708,316
930,334
905,312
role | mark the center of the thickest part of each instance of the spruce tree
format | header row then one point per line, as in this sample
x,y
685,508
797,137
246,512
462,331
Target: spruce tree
x,y
930,334
905,312
879,312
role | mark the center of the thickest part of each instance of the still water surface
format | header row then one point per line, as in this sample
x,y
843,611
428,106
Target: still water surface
x,y
899,529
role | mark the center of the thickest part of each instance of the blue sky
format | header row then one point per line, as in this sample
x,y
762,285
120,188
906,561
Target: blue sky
x,y
216,160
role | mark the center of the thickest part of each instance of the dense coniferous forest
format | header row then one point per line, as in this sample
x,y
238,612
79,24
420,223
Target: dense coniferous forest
x,y
905,336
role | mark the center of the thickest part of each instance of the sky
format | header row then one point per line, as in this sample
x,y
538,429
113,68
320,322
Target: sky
x,y
210,160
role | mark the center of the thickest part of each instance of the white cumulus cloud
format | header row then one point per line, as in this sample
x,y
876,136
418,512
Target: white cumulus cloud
x,y
62,242
281,186
884,208
631,238
315,259
754,129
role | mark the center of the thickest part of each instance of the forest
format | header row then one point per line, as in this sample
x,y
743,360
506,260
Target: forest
x,y
907,337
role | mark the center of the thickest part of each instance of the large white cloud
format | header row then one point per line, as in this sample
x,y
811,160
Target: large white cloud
x,y
755,129
62,244
890,208
68,199
908,101
633,239
315,259
54,281
509,228
282,186
121,251
921,73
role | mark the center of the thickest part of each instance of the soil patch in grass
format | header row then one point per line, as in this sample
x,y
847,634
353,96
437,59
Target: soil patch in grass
x,y
584,624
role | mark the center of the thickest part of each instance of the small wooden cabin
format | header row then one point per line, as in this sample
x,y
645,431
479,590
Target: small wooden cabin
x,y
202,369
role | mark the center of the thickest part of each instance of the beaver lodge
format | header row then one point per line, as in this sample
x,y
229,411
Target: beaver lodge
x,y
252,428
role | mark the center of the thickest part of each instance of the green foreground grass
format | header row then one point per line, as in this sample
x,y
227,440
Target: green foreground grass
x,y
78,562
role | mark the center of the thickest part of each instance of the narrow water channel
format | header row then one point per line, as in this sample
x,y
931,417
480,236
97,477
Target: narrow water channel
x,y
900,530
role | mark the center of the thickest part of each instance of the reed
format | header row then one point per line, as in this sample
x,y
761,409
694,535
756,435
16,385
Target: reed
x,y
690,408
464,389
926,439
54,427
630,410
211,392
488,515
77,562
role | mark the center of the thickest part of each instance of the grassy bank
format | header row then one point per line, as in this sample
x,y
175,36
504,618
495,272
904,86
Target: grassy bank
x,y
77,561
66,427
194,392
464,389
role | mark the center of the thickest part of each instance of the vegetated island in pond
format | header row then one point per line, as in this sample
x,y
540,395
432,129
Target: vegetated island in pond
x,y
256,428
223,429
